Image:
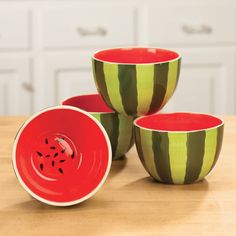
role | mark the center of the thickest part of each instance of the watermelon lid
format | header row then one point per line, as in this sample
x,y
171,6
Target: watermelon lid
x,y
62,155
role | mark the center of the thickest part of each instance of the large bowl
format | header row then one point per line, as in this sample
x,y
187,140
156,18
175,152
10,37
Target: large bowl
x,y
178,148
136,81
118,127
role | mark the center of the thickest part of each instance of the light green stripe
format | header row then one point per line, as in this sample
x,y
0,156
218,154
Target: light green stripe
x,y
178,156
172,79
97,116
146,137
145,83
209,153
125,132
113,86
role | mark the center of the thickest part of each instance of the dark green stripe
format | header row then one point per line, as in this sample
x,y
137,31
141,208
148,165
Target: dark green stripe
x,y
131,143
179,67
111,124
220,131
159,89
100,79
139,146
160,147
195,155
128,88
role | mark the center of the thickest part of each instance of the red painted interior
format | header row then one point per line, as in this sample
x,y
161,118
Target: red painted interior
x,y
178,122
136,55
81,174
89,103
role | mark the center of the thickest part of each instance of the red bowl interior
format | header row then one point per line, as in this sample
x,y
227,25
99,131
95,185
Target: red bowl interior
x,y
136,55
89,103
178,122
61,155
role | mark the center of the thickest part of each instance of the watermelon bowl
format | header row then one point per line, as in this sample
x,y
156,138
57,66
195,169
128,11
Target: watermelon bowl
x,y
136,81
178,148
118,127
61,156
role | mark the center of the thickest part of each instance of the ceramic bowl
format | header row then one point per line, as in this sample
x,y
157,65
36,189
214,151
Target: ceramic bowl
x,y
62,156
178,148
118,127
136,81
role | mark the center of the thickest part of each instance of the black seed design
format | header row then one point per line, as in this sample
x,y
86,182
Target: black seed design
x,y
60,170
53,147
72,155
47,155
41,166
56,154
62,161
53,163
46,141
63,150
39,153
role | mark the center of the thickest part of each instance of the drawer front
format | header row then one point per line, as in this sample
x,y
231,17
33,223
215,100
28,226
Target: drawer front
x,y
14,29
88,26
191,25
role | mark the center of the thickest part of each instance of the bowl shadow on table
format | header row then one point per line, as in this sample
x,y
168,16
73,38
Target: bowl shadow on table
x,y
117,166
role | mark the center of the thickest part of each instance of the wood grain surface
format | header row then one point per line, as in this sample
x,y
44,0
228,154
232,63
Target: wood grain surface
x,y
129,203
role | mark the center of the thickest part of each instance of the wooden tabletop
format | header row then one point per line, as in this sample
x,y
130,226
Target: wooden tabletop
x,y
129,203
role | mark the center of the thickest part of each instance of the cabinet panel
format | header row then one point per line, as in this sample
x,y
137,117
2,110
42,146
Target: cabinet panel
x,y
15,87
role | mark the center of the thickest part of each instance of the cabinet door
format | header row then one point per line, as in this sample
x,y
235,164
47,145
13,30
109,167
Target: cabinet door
x,y
15,87
65,76
206,84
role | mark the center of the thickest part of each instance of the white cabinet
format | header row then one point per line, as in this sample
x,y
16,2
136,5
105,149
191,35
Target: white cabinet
x,y
206,84
15,86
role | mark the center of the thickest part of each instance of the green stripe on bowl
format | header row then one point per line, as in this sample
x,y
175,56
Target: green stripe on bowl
x,y
113,85
128,88
160,84
160,147
178,156
146,143
111,124
125,133
100,81
195,151
145,82
209,153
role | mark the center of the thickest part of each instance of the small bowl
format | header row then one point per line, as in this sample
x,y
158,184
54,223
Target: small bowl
x,y
178,148
118,127
62,156
136,81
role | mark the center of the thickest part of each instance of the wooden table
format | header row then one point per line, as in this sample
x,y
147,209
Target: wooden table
x,y
130,202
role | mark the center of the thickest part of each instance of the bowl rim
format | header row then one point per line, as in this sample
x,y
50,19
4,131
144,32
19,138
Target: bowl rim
x,y
135,47
91,112
176,131
41,199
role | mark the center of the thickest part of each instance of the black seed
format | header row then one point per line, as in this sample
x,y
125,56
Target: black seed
x,y
62,161
52,147
41,166
60,170
39,153
63,150
53,163
56,154
47,155
72,155
46,141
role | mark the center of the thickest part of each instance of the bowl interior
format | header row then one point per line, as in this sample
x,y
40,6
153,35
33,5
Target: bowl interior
x,y
90,103
136,55
178,122
57,159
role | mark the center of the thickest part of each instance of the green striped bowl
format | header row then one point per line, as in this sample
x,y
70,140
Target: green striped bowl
x,y
178,148
136,81
118,127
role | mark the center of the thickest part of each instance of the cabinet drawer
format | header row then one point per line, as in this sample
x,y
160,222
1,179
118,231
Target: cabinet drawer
x,y
14,29
191,25
88,26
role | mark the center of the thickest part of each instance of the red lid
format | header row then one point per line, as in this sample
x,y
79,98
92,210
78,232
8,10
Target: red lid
x,y
62,155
